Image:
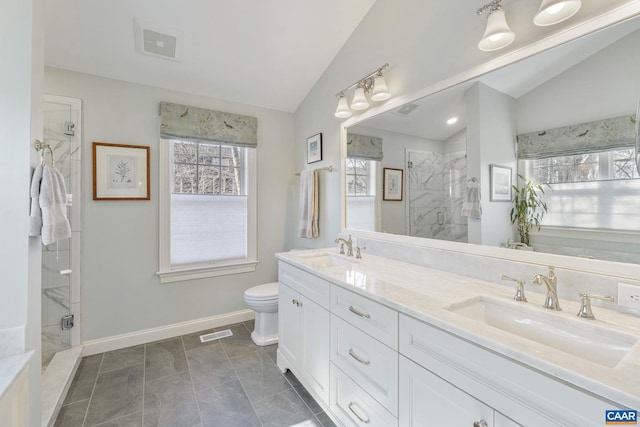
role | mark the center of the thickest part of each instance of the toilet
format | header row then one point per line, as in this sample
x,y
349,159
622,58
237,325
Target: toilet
x,y
263,299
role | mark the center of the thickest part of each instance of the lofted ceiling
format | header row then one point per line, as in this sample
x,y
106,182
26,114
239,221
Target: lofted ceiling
x,y
267,54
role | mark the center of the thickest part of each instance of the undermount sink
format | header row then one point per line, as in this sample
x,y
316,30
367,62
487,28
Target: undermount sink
x,y
578,337
326,259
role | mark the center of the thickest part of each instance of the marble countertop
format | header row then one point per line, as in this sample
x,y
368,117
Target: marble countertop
x,y
425,293
10,368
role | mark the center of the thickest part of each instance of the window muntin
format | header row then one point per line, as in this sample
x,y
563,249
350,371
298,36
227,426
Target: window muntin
x,y
360,177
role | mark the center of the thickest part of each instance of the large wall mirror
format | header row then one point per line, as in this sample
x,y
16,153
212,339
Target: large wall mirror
x,y
565,118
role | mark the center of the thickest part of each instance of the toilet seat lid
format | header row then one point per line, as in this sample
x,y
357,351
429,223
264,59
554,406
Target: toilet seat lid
x,y
263,292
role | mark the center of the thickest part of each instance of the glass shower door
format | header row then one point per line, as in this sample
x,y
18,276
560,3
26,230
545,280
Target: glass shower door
x,y
56,258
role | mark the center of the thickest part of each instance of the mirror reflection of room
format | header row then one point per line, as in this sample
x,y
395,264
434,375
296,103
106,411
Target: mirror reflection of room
x,y
563,119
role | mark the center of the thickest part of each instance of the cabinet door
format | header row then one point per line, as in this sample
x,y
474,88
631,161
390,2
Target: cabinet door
x,y
428,400
502,421
288,326
314,339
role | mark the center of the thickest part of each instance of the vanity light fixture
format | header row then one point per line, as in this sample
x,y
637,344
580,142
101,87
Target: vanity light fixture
x,y
497,34
554,11
373,83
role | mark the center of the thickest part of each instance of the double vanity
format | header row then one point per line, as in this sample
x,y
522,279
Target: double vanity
x,y
381,342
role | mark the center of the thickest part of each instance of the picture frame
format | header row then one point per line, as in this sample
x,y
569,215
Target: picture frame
x,y
393,184
120,172
500,182
314,148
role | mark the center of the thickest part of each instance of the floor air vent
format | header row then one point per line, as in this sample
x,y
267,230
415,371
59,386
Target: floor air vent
x,y
215,335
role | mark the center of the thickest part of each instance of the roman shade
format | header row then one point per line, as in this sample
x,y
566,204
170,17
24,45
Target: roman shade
x,y
192,123
591,137
364,147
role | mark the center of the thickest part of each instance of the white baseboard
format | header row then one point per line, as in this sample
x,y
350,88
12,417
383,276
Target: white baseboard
x,y
169,331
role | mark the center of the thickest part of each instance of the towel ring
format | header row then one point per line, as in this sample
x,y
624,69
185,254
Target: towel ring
x,y
38,145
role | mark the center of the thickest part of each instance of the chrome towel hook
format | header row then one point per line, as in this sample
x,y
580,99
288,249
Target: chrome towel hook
x,y
39,145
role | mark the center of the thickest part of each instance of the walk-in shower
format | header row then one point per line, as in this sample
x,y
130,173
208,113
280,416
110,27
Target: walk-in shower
x,y
61,260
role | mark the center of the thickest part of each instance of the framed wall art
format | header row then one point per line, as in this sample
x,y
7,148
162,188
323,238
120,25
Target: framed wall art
x,y
314,148
120,172
392,184
500,179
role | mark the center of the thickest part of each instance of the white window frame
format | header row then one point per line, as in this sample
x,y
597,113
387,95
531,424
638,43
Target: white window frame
x,y
169,273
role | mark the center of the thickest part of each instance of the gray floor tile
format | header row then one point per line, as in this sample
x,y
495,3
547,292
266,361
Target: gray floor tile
x,y
259,375
133,420
117,393
271,351
210,366
303,393
324,420
170,401
164,358
239,343
72,415
122,358
249,324
84,380
284,409
192,341
225,406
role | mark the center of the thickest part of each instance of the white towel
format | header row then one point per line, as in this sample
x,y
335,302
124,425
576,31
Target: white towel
x,y
308,226
35,217
49,205
471,202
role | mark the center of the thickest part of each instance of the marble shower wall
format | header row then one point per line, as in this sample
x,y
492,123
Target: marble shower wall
x,y
436,186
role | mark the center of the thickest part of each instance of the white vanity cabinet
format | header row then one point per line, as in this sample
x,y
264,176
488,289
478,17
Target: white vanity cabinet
x,y
490,385
364,360
303,318
428,400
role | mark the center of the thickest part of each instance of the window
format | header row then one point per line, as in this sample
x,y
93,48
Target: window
x,y
361,194
615,164
591,191
207,212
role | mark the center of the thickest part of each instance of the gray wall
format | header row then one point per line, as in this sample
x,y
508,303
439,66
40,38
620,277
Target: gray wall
x,y
424,42
120,290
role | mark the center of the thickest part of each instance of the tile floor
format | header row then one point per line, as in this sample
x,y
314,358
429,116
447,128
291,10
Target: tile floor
x,y
181,382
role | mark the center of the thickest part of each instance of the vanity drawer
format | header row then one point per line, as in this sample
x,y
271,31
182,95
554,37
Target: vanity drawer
x,y
313,287
353,406
377,320
367,361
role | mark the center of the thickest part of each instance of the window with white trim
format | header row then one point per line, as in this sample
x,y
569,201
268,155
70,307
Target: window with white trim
x,y
361,193
207,209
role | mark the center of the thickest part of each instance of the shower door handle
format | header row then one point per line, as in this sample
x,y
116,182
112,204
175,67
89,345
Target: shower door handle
x,y
440,218
65,272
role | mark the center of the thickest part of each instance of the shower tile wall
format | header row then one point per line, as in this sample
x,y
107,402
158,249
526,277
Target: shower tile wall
x,y
436,186
60,288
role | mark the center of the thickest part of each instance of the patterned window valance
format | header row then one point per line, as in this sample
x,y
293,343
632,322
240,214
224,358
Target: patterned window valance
x,y
181,121
601,135
364,147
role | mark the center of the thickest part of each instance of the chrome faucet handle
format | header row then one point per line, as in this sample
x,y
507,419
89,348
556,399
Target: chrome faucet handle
x,y
358,254
519,296
585,306
341,248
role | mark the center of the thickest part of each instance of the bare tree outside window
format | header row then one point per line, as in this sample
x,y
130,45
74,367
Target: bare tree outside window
x,y
209,169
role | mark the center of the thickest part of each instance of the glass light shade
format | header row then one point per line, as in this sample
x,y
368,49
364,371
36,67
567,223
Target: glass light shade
x,y
380,90
498,34
342,112
359,101
554,11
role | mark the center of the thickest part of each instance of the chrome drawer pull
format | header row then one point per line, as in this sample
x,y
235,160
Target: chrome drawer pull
x,y
359,313
362,420
481,423
355,356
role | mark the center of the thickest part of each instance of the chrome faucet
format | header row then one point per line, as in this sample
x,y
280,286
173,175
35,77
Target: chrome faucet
x,y
349,244
551,300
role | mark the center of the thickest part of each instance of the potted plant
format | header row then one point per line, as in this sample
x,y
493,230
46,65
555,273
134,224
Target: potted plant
x,y
528,208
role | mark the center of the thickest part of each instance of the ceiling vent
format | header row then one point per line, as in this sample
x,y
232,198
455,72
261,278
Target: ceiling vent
x,y
406,109
156,40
